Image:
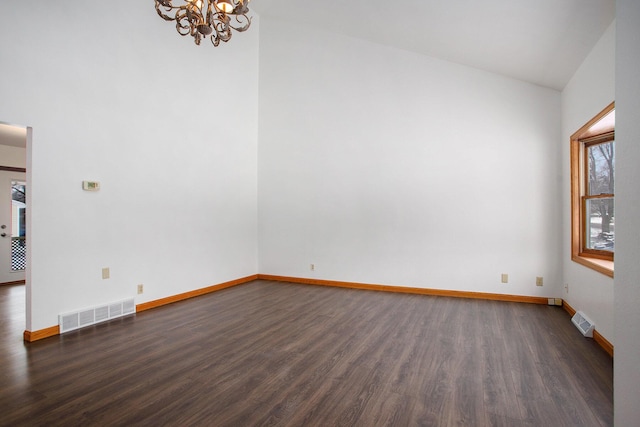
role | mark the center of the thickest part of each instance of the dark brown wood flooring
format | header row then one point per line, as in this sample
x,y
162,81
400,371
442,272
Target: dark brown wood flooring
x,y
268,353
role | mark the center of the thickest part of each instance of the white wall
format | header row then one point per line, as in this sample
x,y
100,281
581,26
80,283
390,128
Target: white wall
x,y
588,92
377,165
15,157
627,282
383,166
168,128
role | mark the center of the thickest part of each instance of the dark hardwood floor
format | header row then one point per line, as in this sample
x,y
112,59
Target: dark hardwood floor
x,y
268,353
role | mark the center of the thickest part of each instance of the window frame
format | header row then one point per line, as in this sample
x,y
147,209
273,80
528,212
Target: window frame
x,y
599,260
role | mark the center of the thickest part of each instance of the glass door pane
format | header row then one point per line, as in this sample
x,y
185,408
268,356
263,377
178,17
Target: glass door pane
x,y
18,225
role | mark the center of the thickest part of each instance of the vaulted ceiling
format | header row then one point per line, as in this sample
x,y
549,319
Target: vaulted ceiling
x,y
538,41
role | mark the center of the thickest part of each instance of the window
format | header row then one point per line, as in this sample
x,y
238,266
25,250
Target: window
x,y
593,192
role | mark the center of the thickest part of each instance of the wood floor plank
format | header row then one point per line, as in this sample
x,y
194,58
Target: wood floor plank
x,y
279,354
498,385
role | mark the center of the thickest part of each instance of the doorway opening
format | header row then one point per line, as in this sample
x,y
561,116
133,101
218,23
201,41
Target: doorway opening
x,y
15,214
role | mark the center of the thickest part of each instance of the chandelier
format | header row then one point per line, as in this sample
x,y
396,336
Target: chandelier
x,y
206,18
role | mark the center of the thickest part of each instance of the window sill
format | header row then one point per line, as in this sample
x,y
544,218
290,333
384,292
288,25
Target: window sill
x,y
600,265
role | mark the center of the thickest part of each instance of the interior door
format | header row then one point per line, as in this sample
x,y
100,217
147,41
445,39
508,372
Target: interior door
x,y
12,227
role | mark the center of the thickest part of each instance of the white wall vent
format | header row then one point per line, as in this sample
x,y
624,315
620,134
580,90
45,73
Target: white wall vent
x,y
583,324
90,316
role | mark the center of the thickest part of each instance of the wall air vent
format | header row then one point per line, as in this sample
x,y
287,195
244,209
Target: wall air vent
x,y
90,316
584,325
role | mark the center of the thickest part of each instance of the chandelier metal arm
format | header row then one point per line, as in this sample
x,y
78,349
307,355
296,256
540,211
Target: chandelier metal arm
x,y
244,21
197,21
168,7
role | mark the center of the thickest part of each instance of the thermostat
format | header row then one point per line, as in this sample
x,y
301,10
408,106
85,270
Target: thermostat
x,y
90,185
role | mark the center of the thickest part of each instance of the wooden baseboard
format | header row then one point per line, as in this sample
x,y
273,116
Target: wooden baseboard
x,y
568,308
597,337
16,282
180,297
12,169
409,290
31,336
602,341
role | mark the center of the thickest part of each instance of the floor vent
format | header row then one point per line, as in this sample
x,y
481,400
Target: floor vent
x,y
90,316
583,324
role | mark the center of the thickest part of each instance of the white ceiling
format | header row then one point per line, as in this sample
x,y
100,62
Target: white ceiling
x,y
538,41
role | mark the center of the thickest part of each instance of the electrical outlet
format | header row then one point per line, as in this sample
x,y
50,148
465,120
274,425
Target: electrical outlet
x,y
505,278
538,281
140,288
312,267
105,273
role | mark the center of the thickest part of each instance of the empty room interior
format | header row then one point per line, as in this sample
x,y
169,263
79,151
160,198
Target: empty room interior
x,y
347,214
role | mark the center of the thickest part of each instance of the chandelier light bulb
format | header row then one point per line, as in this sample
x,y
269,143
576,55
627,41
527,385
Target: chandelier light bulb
x,y
224,6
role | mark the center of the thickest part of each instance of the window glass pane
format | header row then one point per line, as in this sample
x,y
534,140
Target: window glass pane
x,y
600,224
601,161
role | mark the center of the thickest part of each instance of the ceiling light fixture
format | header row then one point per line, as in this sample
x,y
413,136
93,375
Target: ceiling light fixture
x,y
206,18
